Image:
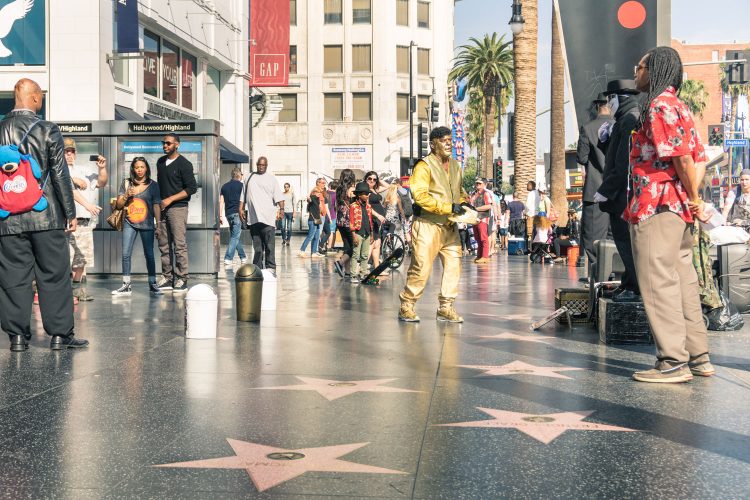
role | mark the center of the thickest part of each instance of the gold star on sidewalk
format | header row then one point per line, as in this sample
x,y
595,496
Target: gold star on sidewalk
x,y
521,368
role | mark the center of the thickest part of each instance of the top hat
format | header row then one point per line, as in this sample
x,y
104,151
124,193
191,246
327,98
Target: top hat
x,y
622,86
362,188
601,98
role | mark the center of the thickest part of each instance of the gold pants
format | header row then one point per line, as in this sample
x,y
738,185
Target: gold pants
x,y
430,240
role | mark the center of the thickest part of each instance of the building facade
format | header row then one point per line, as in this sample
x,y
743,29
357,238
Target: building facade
x,y
348,99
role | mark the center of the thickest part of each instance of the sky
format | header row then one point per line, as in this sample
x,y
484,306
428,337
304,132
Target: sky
x,y
694,21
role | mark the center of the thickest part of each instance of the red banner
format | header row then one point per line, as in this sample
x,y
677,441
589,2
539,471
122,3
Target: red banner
x,y
269,45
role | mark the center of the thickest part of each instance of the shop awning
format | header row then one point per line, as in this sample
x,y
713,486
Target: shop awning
x,y
126,114
229,153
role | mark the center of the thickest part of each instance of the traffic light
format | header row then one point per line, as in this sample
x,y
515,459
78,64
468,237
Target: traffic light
x,y
737,73
498,172
434,112
424,139
715,135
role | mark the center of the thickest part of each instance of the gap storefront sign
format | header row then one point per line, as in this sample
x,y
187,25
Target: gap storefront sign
x,y
22,32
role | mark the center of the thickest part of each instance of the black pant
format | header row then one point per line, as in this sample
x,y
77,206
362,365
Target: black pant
x,y
46,255
264,245
326,232
348,240
594,226
559,243
621,235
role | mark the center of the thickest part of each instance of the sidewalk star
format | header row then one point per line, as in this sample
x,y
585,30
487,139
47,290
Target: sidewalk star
x,y
334,389
521,368
515,336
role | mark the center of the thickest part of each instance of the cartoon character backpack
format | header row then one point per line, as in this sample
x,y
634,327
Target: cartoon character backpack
x,y
20,191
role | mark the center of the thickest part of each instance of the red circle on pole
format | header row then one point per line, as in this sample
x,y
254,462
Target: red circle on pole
x,y
631,14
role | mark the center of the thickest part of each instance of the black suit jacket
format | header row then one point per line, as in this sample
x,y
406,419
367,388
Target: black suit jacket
x,y
591,155
617,160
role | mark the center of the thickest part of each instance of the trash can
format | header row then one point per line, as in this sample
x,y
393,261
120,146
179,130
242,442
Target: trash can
x,y
248,288
201,312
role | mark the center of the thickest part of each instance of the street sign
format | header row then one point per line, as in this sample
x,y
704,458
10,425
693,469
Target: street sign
x,y
735,143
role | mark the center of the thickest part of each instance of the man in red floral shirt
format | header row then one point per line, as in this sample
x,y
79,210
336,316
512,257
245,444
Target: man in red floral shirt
x,y
664,199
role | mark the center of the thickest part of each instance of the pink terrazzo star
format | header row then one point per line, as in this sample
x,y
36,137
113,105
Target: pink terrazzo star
x,y
514,336
334,389
521,368
268,466
544,428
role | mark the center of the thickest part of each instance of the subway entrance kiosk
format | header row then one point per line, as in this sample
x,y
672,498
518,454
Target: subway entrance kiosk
x,y
120,142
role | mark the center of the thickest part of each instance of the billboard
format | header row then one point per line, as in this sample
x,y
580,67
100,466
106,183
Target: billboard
x,y
22,32
269,43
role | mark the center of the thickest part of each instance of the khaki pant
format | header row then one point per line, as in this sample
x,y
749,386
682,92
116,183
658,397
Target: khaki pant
x,y
662,250
430,240
360,254
172,238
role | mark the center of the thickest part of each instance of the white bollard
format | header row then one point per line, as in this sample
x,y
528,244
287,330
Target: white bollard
x,y
201,312
268,300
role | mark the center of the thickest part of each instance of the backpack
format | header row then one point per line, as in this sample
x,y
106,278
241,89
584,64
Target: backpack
x,y
20,173
406,203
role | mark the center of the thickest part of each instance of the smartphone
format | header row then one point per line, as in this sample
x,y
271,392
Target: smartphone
x,y
94,158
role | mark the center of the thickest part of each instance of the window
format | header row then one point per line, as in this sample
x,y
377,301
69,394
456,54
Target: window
x,y
170,71
423,103
332,12
292,59
293,12
402,59
714,55
333,107
332,59
362,58
402,12
189,95
361,12
423,15
362,107
150,64
289,112
423,61
402,107
212,101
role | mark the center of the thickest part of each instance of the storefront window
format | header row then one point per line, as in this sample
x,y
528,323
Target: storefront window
x,y
170,71
150,64
189,95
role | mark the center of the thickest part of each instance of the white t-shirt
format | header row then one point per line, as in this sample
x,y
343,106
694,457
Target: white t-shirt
x,y
90,174
532,203
541,235
262,193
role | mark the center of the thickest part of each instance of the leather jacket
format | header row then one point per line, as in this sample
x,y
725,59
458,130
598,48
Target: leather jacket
x,y
45,144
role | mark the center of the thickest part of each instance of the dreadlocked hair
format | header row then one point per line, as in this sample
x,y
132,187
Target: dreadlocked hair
x,y
664,70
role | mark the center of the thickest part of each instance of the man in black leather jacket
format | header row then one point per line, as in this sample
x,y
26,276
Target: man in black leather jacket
x,y
35,243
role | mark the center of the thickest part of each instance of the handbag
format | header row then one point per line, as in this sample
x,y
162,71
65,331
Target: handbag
x,y
115,219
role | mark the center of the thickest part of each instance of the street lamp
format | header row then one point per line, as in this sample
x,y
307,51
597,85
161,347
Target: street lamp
x,y
516,20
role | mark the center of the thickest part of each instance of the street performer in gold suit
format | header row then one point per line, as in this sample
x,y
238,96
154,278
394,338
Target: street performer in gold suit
x,y
436,188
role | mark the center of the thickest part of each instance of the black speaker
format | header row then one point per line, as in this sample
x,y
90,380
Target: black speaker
x,y
608,262
734,274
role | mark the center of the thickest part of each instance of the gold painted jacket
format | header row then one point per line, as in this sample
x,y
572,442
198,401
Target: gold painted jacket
x,y
434,190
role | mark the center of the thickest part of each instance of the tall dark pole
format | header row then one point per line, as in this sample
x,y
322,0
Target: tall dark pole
x,y
411,109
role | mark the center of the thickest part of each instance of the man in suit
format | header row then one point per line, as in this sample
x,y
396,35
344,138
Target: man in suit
x,y
612,195
590,154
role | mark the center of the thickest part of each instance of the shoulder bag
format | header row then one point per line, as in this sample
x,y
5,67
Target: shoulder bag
x,y
115,219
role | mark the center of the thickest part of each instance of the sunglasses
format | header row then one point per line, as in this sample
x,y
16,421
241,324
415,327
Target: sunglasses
x,y
167,143
372,178
139,158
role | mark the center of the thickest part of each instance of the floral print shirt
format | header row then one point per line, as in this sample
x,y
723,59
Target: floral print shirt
x,y
668,132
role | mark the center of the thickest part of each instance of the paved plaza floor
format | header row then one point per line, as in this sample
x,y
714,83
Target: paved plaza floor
x,y
331,397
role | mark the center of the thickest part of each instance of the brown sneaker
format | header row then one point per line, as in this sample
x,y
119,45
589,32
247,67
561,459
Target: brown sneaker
x,y
481,260
407,313
704,369
82,295
674,375
448,313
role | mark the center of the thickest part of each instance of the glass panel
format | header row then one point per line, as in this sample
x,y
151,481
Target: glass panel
x,y
402,12
402,107
212,102
332,56
361,12
423,102
289,112
423,14
361,58
332,12
423,61
293,12
189,71
293,59
333,107
170,71
402,59
150,64
362,107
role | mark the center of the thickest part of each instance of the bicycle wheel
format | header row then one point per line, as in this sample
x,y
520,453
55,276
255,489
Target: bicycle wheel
x,y
389,244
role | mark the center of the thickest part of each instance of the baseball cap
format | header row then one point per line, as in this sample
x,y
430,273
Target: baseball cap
x,y
69,143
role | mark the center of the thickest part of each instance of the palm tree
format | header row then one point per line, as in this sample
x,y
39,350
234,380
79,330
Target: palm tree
x,y
486,64
524,60
694,94
557,124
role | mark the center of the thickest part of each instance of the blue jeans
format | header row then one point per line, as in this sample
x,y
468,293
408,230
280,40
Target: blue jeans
x,y
129,233
286,228
313,234
235,230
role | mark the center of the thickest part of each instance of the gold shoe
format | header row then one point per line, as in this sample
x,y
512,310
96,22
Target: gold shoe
x,y
449,314
407,313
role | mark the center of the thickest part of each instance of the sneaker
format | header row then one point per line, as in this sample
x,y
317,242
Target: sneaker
x,y
354,280
673,375
406,313
163,283
449,314
82,295
123,290
704,369
316,255
155,290
228,263
339,268
481,260
301,254
243,261
180,286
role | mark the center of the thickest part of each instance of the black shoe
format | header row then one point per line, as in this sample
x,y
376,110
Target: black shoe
x,y
59,342
583,279
627,296
18,343
179,286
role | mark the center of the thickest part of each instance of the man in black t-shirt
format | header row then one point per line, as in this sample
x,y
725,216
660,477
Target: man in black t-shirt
x,y
229,205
